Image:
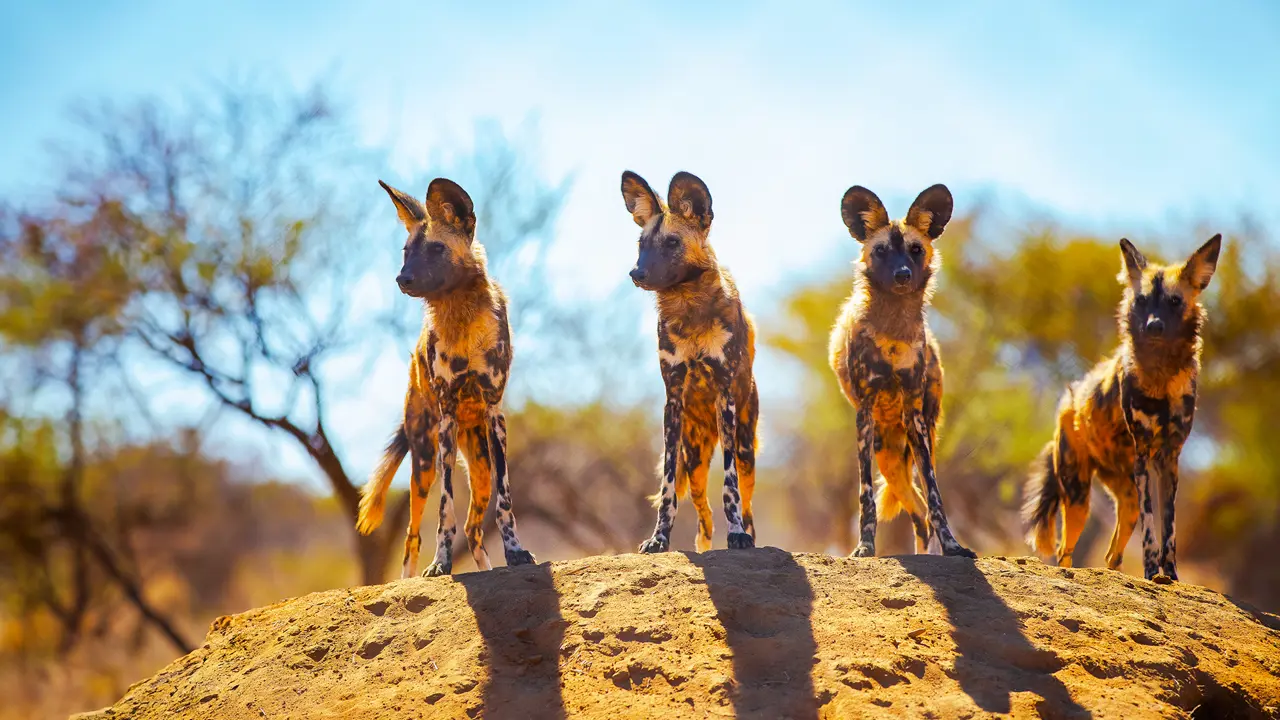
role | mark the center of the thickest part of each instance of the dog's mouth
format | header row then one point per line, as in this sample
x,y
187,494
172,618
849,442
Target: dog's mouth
x,y
430,290
668,280
653,284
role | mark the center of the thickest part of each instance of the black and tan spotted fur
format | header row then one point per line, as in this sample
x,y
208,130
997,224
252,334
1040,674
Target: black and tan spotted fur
x,y
457,376
1126,421
888,365
706,346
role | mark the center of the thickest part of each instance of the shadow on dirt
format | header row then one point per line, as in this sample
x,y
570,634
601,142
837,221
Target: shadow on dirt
x,y
523,681
993,658
764,602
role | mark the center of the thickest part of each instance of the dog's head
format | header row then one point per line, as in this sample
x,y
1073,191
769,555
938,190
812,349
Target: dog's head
x,y
897,255
440,254
1161,302
673,247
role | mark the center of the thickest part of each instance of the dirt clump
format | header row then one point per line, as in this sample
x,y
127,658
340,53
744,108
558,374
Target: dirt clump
x,y
743,633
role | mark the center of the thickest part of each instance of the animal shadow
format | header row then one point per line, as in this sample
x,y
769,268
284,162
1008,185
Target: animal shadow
x,y
764,602
993,657
518,612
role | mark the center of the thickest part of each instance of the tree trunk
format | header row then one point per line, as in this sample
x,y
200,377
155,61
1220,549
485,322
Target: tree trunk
x,y
71,496
373,553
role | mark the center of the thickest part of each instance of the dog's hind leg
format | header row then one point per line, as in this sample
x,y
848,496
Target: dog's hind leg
x,y
475,451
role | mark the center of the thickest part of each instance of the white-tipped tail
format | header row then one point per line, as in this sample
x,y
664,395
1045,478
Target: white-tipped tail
x,y
373,497
1040,500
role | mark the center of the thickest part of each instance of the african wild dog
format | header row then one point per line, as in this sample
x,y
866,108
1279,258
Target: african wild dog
x,y
887,361
1129,417
706,345
456,379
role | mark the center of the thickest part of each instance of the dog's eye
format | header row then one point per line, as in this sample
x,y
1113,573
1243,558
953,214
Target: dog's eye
x,y
1140,299
1175,301
880,251
436,248
672,242
916,248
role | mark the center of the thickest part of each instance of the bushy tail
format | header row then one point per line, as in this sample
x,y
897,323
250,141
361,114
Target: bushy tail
x,y
682,480
888,504
891,500
374,494
1041,497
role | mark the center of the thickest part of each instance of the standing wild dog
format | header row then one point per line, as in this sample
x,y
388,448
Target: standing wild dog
x,y
456,379
706,344
1129,417
887,361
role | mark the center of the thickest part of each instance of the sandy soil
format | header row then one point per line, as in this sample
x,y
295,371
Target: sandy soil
x,y
753,634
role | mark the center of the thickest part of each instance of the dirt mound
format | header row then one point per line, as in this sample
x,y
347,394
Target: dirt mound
x,y
754,633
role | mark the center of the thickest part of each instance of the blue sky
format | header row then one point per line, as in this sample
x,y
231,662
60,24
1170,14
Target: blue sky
x,y
1127,117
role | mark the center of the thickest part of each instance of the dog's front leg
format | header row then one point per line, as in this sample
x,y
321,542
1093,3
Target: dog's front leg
x,y
673,375
448,527
920,436
728,409
867,491
515,553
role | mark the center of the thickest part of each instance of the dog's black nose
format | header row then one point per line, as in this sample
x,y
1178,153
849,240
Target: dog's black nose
x,y
638,275
902,275
404,279
1155,326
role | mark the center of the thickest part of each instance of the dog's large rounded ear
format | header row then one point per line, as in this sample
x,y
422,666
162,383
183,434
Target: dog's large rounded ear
x,y
1198,270
642,202
689,197
931,211
408,208
862,212
448,203
1134,263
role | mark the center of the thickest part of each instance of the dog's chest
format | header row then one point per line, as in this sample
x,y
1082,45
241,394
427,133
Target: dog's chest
x,y
695,344
476,349
453,361
899,355
469,370
882,363
1162,417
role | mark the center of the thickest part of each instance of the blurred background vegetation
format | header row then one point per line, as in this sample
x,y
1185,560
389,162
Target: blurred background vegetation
x,y
217,256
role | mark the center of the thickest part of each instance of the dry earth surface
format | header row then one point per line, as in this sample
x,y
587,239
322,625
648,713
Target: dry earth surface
x,y
754,634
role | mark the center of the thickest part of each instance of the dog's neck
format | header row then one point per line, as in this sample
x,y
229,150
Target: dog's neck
x,y
451,314
693,302
901,317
